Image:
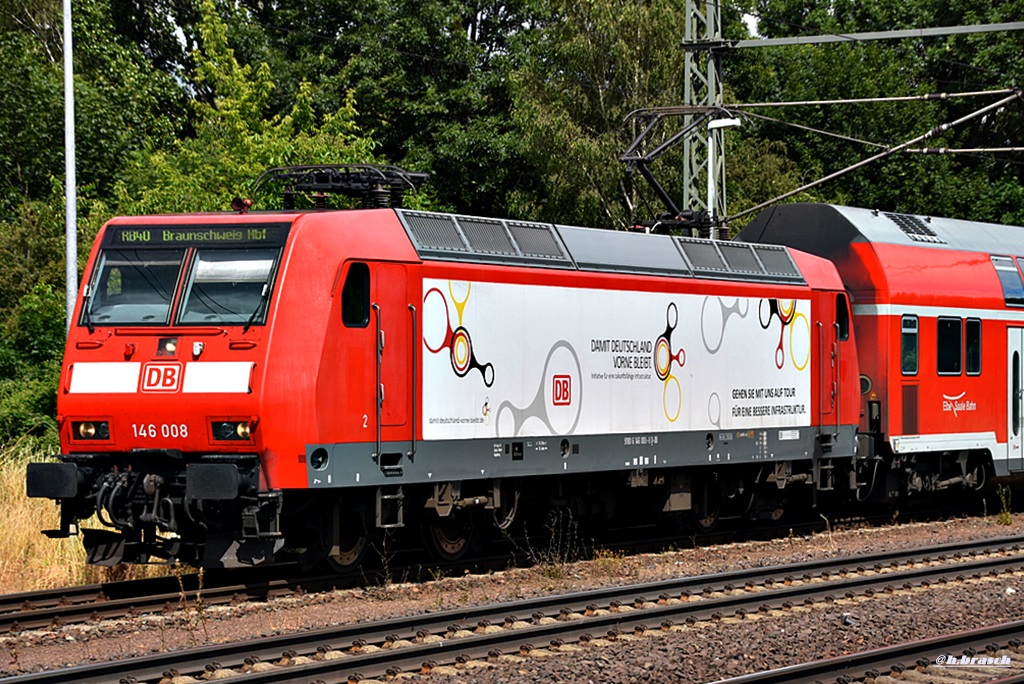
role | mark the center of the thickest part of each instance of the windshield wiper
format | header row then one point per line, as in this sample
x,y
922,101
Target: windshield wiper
x,y
86,316
263,300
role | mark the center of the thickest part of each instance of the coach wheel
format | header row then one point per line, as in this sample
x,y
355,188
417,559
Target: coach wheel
x,y
449,538
981,477
352,540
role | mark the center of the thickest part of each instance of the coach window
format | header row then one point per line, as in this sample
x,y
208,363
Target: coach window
x,y
950,341
1016,393
908,345
355,297
842,317
1009,278
972,346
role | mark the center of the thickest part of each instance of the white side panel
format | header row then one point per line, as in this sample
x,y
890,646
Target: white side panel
x,y
217,377
118,377
909,444
503,360
1011,315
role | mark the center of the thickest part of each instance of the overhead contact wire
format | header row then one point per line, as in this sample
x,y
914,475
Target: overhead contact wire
x,y
881,155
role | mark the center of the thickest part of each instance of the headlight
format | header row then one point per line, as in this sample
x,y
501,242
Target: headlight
x,y
167,346
232,430
93,430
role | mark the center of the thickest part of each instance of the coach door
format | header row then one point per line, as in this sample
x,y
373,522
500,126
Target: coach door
x,y
1015,398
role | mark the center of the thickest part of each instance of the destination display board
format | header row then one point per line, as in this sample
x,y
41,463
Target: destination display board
x,y
198,235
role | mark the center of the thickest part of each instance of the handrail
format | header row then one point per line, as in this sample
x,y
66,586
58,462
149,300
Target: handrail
x,y
838,375
379,391
414,338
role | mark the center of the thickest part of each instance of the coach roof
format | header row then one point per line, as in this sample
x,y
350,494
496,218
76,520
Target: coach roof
x,y
827,229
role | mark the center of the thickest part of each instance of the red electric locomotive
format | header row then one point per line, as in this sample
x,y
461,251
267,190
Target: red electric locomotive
x,y
241,385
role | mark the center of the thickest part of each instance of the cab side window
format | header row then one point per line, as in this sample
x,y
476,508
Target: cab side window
x,y
842,317
355,297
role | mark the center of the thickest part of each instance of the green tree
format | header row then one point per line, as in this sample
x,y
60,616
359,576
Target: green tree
x,y
30,346
122,102
980,186
236,135
586,70
430,77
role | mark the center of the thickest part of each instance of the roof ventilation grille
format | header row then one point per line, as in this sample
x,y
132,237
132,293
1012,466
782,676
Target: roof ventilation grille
x,y
915,228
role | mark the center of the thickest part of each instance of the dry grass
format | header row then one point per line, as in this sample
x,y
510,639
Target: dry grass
x,y
28,559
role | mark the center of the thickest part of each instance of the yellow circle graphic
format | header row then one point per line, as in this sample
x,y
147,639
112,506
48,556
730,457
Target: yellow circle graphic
x,y
664,398
792,331
460,350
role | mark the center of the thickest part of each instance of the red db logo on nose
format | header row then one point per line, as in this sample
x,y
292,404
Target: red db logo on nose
x,y
161,377
561,390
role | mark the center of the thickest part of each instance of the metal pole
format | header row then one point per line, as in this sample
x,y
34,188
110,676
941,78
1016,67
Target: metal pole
x,y
712,200
716,170
71,228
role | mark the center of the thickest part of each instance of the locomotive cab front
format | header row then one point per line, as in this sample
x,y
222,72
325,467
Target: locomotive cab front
x,y
158,409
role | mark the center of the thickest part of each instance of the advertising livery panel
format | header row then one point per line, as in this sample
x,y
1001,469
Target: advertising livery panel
x,y
505,360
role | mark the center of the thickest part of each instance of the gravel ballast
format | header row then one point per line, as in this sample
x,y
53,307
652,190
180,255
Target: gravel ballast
x,y
698,653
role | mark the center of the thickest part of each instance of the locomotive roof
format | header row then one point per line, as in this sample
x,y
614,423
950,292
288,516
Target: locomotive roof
x,y
452,237
826,230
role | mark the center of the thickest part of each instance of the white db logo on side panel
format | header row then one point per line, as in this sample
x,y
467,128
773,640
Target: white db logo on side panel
x,y
161,377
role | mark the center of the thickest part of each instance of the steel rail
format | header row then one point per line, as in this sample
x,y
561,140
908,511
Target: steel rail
x,y
69,605
40,609
129,598
880,661
477,647
234,655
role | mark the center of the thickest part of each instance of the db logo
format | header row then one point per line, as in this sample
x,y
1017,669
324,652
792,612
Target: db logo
x,y
561,390
161,377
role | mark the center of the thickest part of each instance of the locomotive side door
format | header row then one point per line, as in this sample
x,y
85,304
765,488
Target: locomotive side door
x,y
392,314
828,353
377,344
1015,398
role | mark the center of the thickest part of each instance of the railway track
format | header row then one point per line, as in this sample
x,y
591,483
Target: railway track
x,y
129,598
989,654
40,609
487,634
94,602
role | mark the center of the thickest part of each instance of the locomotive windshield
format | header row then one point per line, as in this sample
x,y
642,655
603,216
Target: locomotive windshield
x,y
228,286
191,275
133,286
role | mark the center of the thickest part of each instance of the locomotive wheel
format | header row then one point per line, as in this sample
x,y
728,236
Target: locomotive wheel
x,y
705,520
449,538
353,540
707,507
